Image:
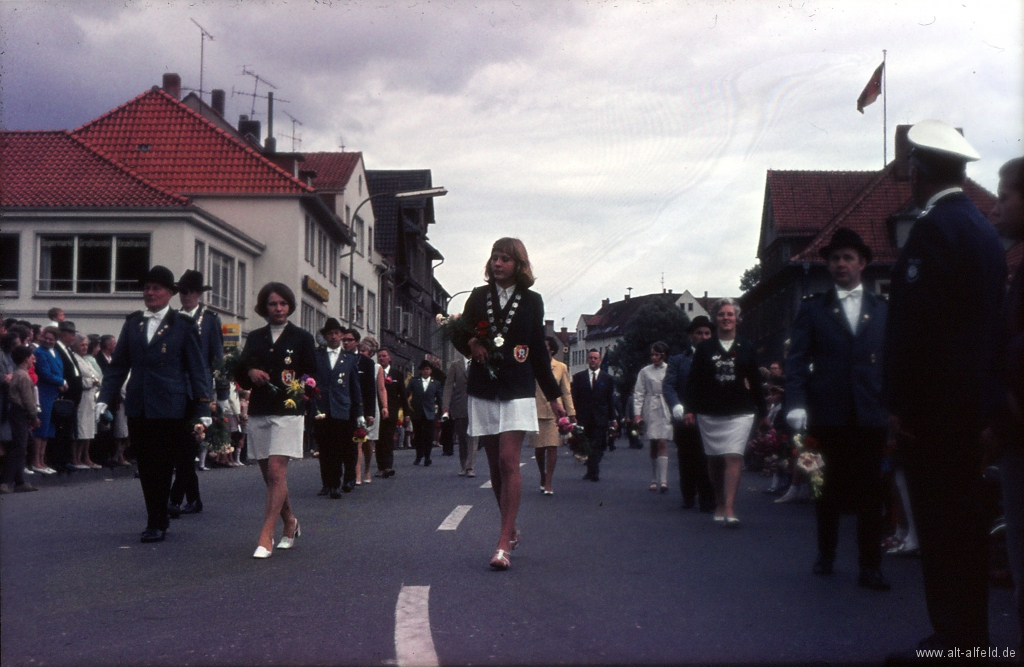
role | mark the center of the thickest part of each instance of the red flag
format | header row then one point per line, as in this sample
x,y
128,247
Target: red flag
x,y
872,90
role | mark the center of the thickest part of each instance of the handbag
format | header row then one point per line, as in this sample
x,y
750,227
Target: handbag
x,y
62,410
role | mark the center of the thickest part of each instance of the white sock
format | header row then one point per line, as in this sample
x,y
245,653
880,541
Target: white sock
x,y
202,456
663,469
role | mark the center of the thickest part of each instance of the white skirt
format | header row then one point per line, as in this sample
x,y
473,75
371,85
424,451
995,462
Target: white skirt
x,y
725,435
494,417
275,435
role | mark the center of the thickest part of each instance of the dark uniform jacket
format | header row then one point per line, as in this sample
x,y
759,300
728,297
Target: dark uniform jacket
x,y
394,387
941,365
211,343
1008,420
724,383
367,384
832,372
72,373
340,395
673,387
291,356
169,376
424,403
595,407
525,355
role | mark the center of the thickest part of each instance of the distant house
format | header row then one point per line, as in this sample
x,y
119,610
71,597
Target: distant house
x,y
802,210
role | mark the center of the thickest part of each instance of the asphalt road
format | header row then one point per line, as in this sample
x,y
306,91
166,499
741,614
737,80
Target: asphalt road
x,y
607,573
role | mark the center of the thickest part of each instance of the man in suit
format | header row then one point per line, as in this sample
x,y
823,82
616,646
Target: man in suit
x,y
367,380
693,465
424,403
65,429
169,387
454,406
944,313
834,387
339,408
593,395
211,344
395,390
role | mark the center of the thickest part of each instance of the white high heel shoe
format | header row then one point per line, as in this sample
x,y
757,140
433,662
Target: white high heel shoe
x,y
262,552
289,542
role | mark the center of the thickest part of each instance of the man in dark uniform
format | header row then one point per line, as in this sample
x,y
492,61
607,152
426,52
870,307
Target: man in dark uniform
x,y
339,407
834,386
944,312
394,387
693,464
169,384
211,344
66,428
367,385
593,395
424,406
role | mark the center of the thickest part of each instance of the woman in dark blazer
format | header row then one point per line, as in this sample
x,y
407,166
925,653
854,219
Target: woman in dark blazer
x,y
273,357
502,394
724,390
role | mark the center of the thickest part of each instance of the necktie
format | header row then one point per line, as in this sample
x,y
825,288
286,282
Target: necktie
x,y
593,378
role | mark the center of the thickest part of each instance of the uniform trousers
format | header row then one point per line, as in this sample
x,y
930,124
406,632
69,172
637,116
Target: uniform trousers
x,y
338,451
385,451
943,470
693,467
423,437
158,445
597,439
14,462
186,481
467,443
852,484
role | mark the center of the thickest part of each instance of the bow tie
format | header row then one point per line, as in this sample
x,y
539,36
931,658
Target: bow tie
x,y
150,315
843,294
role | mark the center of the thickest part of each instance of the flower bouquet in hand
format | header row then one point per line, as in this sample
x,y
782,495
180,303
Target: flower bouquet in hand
x,y
637,429
457,331
809,461
359,435
301,390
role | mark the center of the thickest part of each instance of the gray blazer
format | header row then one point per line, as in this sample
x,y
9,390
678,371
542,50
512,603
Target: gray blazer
x,y
455,398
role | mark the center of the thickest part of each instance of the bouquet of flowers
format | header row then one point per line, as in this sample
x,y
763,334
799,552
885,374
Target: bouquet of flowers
x,y
459,332
299,390
578,444
766,449
359,435
218,438
809,461
637,429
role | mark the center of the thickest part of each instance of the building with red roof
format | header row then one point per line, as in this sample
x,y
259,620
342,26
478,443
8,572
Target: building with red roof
x,y
801,212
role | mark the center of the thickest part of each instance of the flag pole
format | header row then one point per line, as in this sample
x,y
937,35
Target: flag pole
x,y
885,129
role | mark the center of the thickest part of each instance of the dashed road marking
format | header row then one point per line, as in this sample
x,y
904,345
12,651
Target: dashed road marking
x,y
414,645
487,484
452,521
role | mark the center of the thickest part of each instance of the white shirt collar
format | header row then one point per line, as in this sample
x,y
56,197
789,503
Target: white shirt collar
x,y
939,195
857,292
160,314
505,294
192,313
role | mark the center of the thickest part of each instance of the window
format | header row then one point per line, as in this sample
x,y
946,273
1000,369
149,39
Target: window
x,y
333,262
343,300
321,251
369,243
371,311
242,287
92,263
310,240
357,231
307,318
200,260
222,279
360,185
10,253
358,295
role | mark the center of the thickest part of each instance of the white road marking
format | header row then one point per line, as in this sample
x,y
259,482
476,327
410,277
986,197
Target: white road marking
x,y
487,484
452,521
414,645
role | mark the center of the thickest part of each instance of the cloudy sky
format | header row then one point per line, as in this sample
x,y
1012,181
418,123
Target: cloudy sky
x,y
625,142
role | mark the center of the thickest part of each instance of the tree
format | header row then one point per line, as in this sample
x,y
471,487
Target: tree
x,y
658,320
750,278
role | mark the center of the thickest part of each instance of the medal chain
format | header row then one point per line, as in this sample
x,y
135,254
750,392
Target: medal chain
x,y
508,318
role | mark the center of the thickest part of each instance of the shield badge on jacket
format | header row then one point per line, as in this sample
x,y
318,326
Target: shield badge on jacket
x,y
521,353
287,377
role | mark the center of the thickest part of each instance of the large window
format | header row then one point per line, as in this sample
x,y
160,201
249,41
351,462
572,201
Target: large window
x,y
10,254
369,243
92,263
222,280
311,318
200,258
242,287
371,311
359,296
333,250
343,300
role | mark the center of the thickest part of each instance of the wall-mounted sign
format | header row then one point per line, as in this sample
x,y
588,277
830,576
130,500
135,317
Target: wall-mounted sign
x,y
232,333
315,288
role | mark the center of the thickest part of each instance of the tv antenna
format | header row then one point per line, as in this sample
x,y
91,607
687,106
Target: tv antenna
x,y
293,137
202,52
257,80
341,143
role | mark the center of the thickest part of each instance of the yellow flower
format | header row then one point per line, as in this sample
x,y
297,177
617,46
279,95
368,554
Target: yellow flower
x,y
290,404
295,386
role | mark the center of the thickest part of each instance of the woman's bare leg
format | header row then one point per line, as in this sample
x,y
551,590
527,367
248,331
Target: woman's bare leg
x,y
275,474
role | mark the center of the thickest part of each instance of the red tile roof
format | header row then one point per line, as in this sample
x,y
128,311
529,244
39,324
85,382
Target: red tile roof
x,y
333,170
802,202
56,169
173,146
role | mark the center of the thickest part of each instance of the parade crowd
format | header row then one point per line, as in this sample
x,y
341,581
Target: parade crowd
x,y
863,415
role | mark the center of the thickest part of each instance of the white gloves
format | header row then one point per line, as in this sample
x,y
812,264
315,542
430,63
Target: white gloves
x,y
797,419
100,409
224,407
206,421
678,412
361,421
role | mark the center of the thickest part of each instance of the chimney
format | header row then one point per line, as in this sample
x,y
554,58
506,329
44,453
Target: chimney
x,y
172,85
250,129
271,142
901,166
605,302
217,101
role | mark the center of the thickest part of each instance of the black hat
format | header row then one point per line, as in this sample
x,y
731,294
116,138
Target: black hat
x,y
67,326
160,275
425,364
192,281
331,325
697,322
847,238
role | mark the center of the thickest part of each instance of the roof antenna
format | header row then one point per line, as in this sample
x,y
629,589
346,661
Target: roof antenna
x,y
293,137
257,81
202,49
341,143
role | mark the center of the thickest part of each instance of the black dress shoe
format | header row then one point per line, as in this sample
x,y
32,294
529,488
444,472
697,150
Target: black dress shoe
x,y
324,491
416,462
348,486
153,535
390,472
823,565
426,462
334,493
192,508
873,579
173,510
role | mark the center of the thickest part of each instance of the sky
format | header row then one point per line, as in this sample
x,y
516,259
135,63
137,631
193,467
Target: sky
x,y
625,142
